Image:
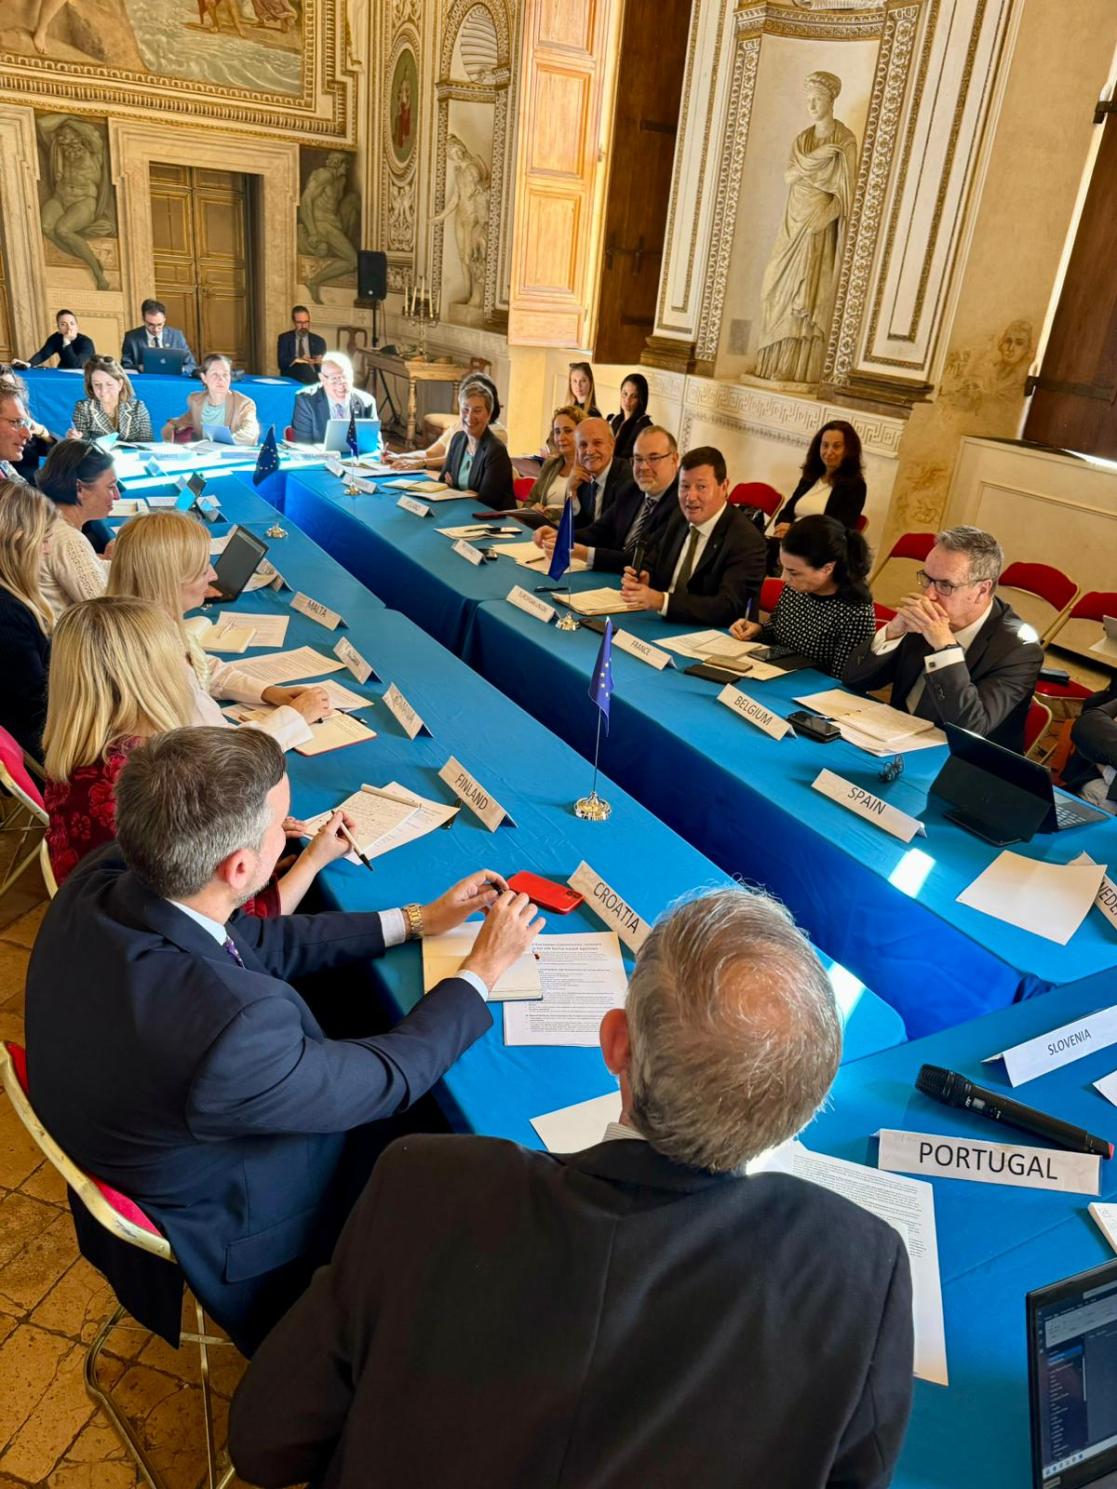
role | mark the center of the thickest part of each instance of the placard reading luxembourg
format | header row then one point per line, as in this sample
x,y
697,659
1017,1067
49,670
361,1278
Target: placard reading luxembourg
x,y
417,509
474,795
315,610
347,653
606,903
754,713
988,1163
654,657
1061,1046
865,804
530,604
403,713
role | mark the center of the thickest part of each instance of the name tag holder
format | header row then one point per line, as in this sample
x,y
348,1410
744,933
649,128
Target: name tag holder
x,y
416,508
467,551
754,713
472,794
404,715
988,1163
867,806
609,906
316,611
643,650
346,652
530,604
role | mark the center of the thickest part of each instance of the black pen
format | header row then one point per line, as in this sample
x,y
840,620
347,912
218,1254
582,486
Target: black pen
x,y
953,1089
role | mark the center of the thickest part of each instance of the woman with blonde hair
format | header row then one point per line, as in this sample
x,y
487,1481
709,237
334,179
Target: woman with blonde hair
x,y
26,520
117,679
164,557
110,405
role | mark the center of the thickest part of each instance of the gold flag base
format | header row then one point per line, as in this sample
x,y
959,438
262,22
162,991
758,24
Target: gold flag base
x,y
567,623
275,531
592,808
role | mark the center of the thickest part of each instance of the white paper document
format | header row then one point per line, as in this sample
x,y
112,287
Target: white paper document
x,y
289,666
334,733
481,530
1049,899
227,634
595,602
523,553
344,699
1107,1086
429,815
271,630
375,816
583,977
1104,1216
572,1128
875,727
443,956
701,645
908,1206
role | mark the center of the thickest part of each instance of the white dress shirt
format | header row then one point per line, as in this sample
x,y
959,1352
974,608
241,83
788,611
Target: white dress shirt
x,y
703,529
948,657
615,1131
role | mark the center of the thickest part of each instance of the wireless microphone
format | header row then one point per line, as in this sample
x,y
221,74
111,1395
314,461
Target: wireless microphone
x,y
953,1089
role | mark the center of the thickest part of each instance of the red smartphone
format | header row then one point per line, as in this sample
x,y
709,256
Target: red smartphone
x,y
546,893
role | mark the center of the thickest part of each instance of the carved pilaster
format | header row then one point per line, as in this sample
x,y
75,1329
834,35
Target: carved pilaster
x,y
23,242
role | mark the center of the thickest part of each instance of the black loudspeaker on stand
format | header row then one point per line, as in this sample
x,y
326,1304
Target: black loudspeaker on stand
x,y
372,282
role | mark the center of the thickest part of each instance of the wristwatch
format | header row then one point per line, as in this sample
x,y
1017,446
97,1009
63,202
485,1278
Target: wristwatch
x,y
414,917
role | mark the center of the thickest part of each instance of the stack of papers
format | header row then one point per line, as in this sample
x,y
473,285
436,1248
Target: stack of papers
x,y
426,816
1050,899
595,602
443,956
433,491
342,698
334,733
583,977
229,634
286,666
876,728
376,816
720,649
480,530
270,630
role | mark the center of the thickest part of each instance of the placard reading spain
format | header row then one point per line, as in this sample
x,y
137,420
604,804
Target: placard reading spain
x,y
609,906
988,1163
856,799
471,792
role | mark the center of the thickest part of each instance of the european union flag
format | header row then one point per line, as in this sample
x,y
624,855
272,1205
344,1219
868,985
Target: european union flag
x,y
601,683
564,541
267,462
351,434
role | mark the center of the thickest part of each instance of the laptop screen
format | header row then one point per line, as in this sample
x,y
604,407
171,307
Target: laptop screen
x,y
1072,1366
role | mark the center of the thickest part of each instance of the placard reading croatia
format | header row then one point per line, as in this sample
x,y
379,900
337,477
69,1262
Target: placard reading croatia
x,y
470,791
611,907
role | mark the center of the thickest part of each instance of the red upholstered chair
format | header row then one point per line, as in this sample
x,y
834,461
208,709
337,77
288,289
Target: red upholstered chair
x,y
1090,607
770,592
883,614
1039,593
289,433
894,575
861,524
756,494
125,1226
1036,725
23,818
521,487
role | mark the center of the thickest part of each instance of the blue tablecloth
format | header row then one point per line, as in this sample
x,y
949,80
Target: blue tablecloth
x,y
54,392
888,911
995,1242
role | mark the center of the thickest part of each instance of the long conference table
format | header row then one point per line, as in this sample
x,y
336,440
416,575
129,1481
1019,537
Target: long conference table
x,y
53,392
887,910
995,1243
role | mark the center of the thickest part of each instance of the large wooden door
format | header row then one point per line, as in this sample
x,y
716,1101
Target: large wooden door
x,y
1074,406
7,348
645,123
200,223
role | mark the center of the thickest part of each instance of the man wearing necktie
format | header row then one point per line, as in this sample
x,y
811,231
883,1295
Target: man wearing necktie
x,y
299,351
707,558
334,398
153,335
597,479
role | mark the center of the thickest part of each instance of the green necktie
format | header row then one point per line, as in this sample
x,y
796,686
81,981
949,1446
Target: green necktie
x,y
688,562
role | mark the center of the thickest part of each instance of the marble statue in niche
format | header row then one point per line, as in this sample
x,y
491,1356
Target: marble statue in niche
x,y
797,295
76,196
329,220
468,204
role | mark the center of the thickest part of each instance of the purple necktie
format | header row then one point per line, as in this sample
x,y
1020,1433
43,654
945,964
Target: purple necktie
x,y
231,947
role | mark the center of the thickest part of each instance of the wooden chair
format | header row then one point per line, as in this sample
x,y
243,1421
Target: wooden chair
x,y
894,575
1036,726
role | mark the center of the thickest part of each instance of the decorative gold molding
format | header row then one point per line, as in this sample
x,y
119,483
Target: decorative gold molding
x,y
782,417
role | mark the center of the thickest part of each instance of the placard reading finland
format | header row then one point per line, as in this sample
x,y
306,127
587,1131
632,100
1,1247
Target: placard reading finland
x,y
988,1163
473,794
611,907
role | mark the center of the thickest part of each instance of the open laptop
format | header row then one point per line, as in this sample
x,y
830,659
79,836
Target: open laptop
x,y
368,436
1001,796
237,564
163,359
1072,1381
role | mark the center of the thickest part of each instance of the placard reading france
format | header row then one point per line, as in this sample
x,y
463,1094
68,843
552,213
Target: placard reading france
x,y
473,794
611,907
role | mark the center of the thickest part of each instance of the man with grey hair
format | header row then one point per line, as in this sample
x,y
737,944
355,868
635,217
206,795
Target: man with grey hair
x,y
334,398
954,652
171,1056
639,1313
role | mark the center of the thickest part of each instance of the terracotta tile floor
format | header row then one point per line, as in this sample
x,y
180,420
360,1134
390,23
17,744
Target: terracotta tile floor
x,y
52,1303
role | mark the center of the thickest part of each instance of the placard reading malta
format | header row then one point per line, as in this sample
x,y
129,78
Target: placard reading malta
x,y
315,610
474,795
988,1163
606,903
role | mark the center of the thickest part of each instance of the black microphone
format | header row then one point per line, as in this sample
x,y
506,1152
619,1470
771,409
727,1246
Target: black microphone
x,y
953,1089
638,556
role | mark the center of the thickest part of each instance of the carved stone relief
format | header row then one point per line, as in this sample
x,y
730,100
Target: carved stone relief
x,y
77,203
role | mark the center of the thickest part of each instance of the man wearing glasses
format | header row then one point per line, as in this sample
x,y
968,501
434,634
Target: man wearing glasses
x,y
637,514
15,431
954,653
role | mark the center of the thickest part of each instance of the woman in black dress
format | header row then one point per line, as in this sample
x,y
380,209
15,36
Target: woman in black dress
x,y
633,415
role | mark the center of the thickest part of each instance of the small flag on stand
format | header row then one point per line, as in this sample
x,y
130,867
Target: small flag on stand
x,y
267,462
593,808
351,434
564,542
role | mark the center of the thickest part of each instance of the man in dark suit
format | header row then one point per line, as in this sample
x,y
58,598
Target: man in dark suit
x,y
708,561
597,479
1092,769
955,653
299,351
154,333
639,513
334,398
170,1055
639,1313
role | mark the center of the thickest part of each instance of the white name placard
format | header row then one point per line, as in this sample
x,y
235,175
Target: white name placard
x,y
315,610
754,713
471,792
467,550
1062,1046
609,906
1106,901
653,655
988,1163
360,484
531,604
335,468
864,804
403,713
157,502
346,652
277,582
417,509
